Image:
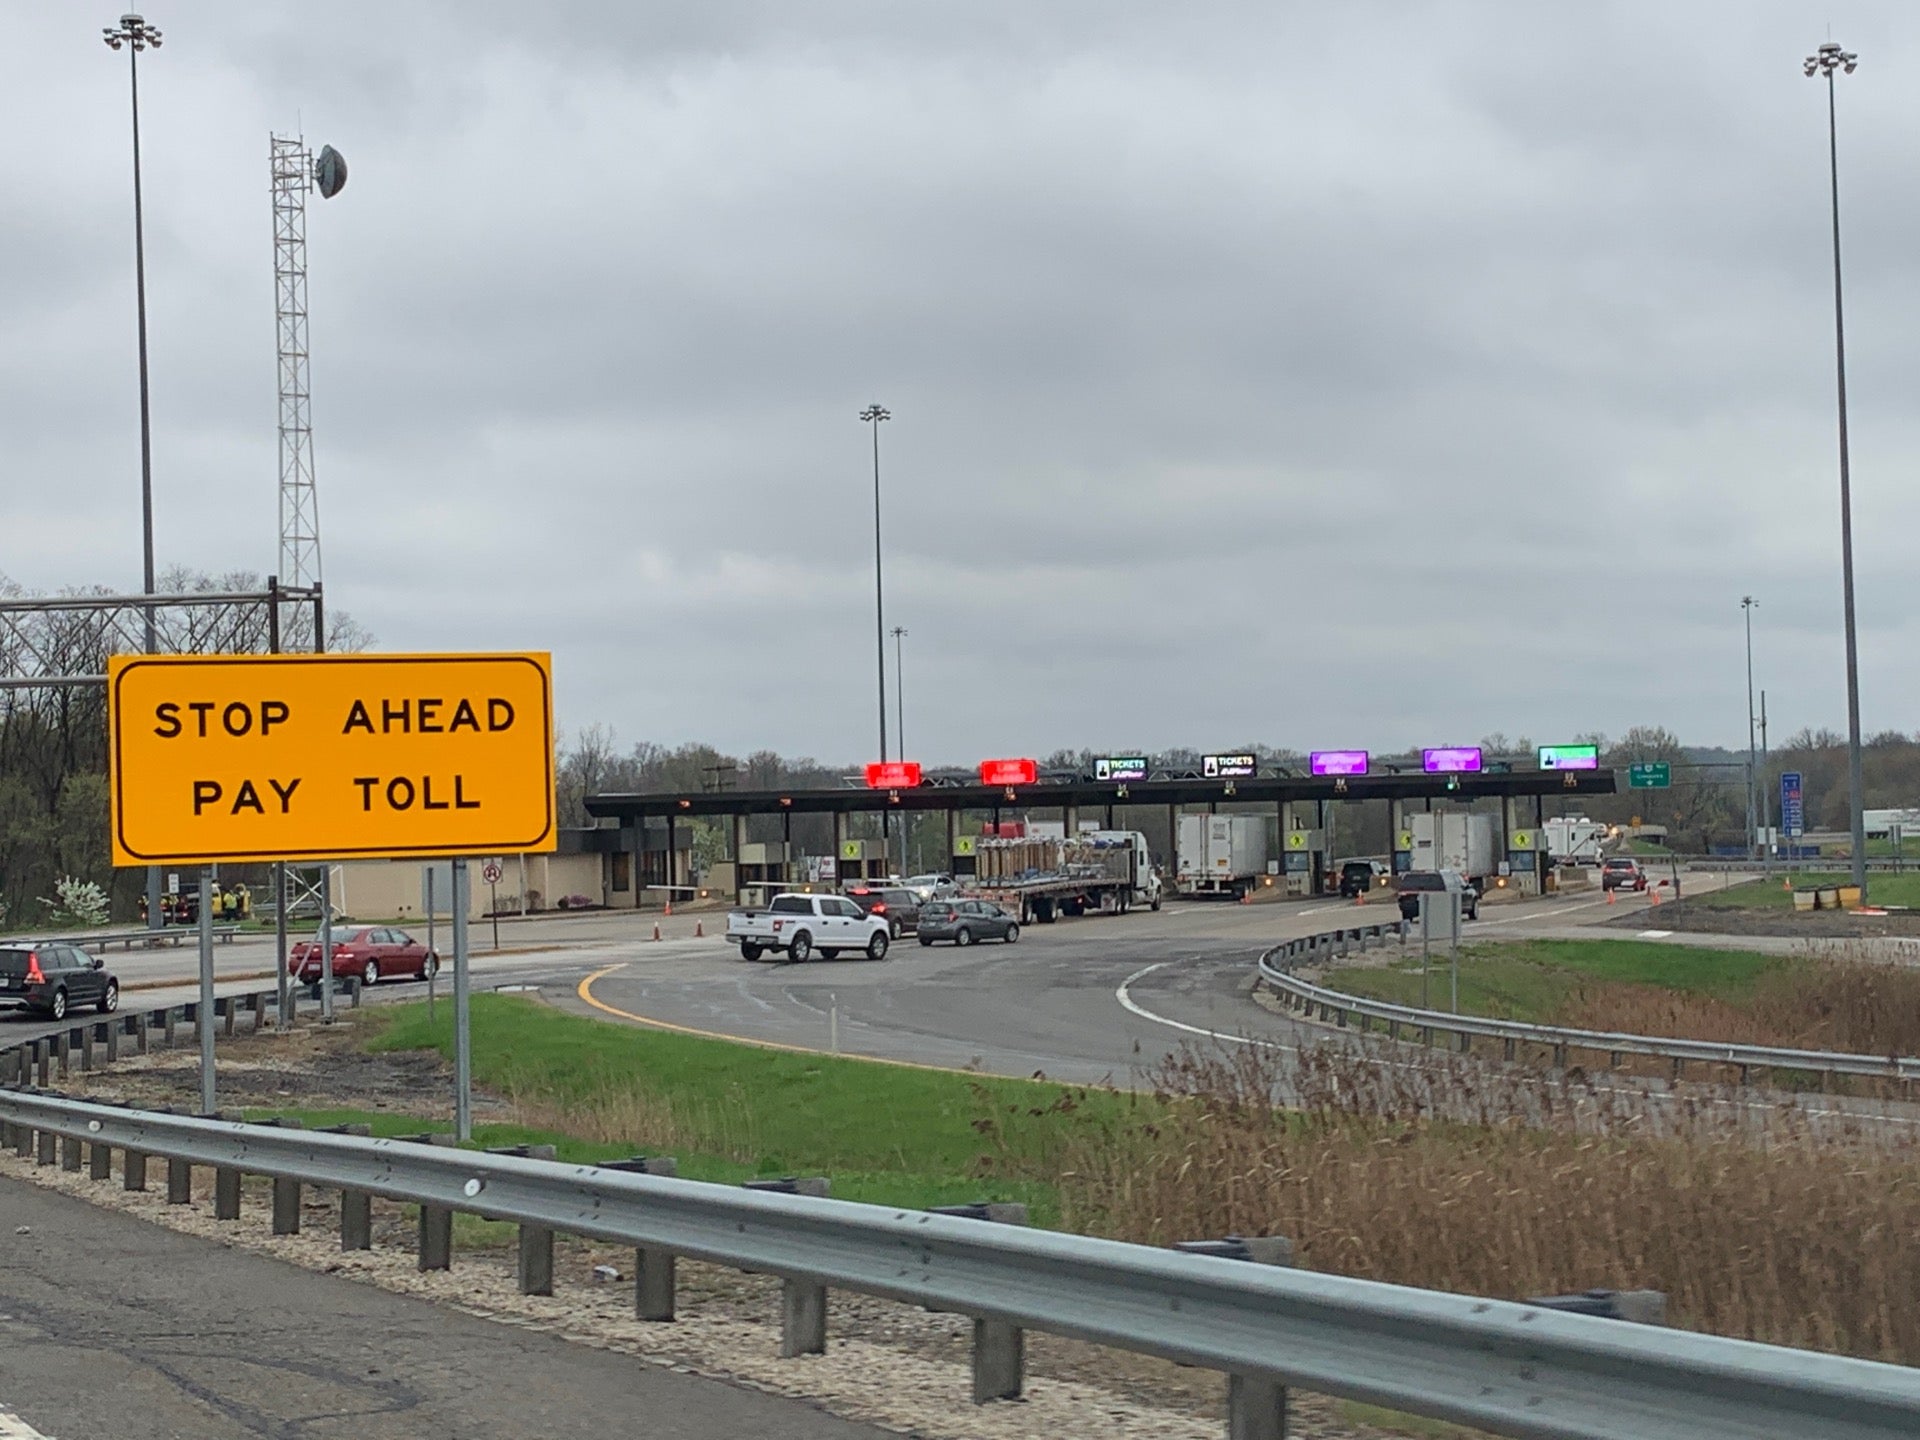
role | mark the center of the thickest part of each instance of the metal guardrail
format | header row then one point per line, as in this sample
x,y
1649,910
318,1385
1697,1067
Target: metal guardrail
x,y
93,939
1511,1368
1337,1007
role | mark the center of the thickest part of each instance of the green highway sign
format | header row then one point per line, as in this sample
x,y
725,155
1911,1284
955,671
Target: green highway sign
x,y
1649,775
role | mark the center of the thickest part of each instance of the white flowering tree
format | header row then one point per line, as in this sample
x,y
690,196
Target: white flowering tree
x,y
79,903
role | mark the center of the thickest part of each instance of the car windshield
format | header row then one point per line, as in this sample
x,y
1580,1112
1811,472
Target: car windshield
x,y
15,962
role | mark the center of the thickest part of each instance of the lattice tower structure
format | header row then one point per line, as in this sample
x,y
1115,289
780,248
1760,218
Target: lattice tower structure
x,y
299,497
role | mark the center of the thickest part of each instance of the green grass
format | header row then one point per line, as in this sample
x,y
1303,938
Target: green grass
x,y
1532,979
1647,847
888,1134
1882,889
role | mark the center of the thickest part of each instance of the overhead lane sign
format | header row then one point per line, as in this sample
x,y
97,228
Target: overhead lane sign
x,y
1229,767
1009,772
1569,757
1338,762
316,757
893,774
1450,759
1120,767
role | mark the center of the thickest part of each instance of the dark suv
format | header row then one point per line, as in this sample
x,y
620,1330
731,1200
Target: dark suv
x,y
1357,877
1438,882
53,978
901,907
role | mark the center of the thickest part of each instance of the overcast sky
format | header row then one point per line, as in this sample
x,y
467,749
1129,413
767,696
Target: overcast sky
x,y
1317,375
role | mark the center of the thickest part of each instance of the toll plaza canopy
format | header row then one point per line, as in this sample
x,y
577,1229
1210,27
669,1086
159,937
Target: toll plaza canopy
x,y
1097,794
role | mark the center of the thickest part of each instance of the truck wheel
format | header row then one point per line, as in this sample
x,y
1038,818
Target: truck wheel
x,y
877,946
800,948
826,954
751,952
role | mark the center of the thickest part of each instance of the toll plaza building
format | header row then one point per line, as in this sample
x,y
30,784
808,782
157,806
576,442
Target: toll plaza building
x,y
743,844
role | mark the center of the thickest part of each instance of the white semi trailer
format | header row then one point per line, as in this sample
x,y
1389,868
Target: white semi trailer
x,y
1220,854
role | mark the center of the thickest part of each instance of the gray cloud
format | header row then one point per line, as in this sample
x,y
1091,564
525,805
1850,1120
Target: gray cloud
x,y
1347,376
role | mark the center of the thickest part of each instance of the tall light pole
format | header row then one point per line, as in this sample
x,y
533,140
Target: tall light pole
x,y
873,415
900,689
1747,602
1824,62
135,35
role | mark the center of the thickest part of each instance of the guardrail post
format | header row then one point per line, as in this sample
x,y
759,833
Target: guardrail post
x,y
286,1206
133,1170
69,1152
101,1162
257,1002
141,1042
226,1010
1560,1056
999,1347
1466,1042
226,1194
61,1044
803,1318
356,1220
179,1182
653,1270
1256,1404
436,1238
48,1144
166,1026
81,1039
114,1028
42,1053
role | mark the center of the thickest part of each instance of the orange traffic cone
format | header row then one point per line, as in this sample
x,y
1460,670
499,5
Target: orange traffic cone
x,y
669,909
698,932
1786,884
1611,896
656,929
1360,897
1653,896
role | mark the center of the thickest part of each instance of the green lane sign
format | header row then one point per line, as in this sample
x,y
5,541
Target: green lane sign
x,y
1649,775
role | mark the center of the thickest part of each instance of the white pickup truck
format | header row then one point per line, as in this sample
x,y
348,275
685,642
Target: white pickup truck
x,y
803,926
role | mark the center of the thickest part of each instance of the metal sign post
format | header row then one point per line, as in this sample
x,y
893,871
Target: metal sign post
x,y
462,1034
280,942
433,971
1426,946
490,872
1453,898
326,944
207,1102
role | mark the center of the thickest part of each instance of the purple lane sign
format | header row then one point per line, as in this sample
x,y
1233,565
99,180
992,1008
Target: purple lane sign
x,y
1451,759
1339,762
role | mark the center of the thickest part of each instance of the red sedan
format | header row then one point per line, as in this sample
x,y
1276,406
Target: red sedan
x,y
373,952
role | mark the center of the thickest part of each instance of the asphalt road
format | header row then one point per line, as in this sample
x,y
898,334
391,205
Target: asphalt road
x,y
111,1327
1096,999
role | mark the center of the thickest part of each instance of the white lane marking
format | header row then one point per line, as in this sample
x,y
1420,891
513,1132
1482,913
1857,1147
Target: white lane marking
x,y
1135,1008
1653,935
12,1427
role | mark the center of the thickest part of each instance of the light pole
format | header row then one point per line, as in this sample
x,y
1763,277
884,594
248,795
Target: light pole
x,y
1747,602
900,690
136,35
873,415
1824,62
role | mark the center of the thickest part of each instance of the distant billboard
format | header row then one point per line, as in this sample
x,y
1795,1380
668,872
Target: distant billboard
x,y
1569,757
1450,759
1339,762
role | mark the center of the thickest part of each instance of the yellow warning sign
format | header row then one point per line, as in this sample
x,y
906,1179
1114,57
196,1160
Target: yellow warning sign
x,y
319,757
1296,840
850,849
1523,840
1406,840
963,845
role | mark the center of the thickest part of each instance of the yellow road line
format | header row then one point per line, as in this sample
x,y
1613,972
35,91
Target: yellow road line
x,y
585,991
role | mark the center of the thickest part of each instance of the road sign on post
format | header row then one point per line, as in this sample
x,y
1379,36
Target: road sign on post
x,y
1649,775
1793,810
315,757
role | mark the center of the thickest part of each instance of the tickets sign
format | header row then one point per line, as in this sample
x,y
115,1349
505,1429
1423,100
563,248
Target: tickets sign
x,y
317,757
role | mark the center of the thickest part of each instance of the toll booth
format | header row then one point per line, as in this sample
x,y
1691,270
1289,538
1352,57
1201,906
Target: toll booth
x,y
1303,862
863,860
1525,848
965,856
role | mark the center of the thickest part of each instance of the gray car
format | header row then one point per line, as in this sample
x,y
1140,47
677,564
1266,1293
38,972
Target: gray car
x,y
965,921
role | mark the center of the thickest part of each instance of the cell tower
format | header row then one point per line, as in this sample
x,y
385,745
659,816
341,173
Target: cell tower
x,y
295,172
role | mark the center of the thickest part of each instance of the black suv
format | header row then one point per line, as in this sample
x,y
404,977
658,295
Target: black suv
x,y
1439,882
1358,877
900,907
53,978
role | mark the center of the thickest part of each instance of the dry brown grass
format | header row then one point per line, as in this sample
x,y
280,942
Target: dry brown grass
x,y
1824,1002
1758,1223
